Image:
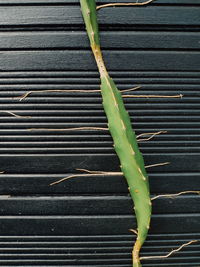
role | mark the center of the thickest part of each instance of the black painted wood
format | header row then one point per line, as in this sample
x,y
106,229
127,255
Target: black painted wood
x,y
95,245
84,221
22,2
34,184
92,205
83,60
110,40
88,225
70,15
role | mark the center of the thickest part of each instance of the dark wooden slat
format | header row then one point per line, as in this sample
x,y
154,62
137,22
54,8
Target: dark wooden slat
x,y
92,137
22,2
68,163
118,74
100,148
113,245
36,127
88,81
95,144
79,225
156,2
98,258
79,40
83,60
178,15
31,184
95,205
65,15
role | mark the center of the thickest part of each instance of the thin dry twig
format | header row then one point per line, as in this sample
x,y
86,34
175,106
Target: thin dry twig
x,y
176,195
89,173
22,97
125,4
68,129
155,133
149,138
131,89
153,96
98,173
15,115
4,196
170,253
157,164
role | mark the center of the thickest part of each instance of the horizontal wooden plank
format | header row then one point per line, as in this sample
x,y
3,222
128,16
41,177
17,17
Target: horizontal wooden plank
x,y
30,184
92,148
66,15
48,163
79,75
58,139
49,127
22,2
79,40
91,240
83,225
83,60
17,84
109,247
88,259
45,127
39,184
161,116
129,1
62,146
178,15
93,205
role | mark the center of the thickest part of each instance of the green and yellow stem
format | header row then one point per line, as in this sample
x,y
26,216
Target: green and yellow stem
x,y
125,143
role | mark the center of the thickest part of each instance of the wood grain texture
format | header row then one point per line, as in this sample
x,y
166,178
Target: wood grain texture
x,y
22,2
55,163
88,225
92,205
82,60
38,184
70,15
109,40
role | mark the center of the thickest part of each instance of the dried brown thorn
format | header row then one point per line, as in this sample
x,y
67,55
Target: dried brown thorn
x,y
133,231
